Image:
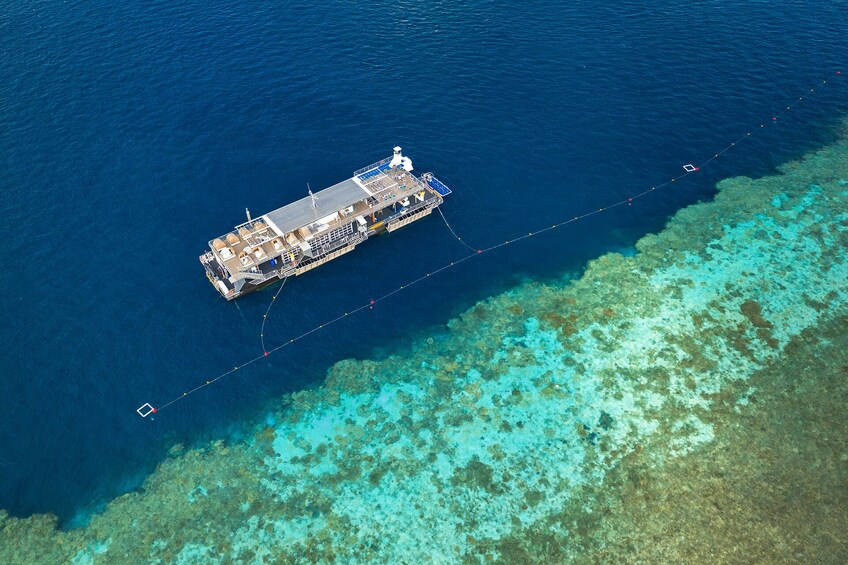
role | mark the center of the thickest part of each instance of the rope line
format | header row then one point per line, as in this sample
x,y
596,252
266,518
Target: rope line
x,y
265,315
459,239
476,252
268,310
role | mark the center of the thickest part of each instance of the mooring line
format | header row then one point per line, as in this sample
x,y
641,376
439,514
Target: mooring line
x,y
267,310
459,239
689,169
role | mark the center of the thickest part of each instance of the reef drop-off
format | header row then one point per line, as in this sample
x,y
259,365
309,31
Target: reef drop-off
x,y
648,410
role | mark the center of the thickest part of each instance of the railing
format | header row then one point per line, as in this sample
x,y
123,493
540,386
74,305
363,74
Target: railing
x,y
329,249
372,166
249,275
413,209
410,214
436,184
284,271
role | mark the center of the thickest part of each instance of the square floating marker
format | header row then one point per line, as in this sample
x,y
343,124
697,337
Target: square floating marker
x,y
145,410
690,168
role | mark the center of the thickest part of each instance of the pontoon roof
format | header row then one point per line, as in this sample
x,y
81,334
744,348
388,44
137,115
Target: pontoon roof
x,y
301,212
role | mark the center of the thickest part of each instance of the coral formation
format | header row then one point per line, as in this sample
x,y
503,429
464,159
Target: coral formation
x,y
551,421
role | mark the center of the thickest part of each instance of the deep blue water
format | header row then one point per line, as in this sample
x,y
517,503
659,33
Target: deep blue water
x,y
131,133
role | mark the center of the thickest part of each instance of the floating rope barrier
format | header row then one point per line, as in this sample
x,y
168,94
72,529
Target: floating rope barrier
x,y
268,310
147,409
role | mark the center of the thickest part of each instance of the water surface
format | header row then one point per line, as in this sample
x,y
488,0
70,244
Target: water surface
x,y
133,133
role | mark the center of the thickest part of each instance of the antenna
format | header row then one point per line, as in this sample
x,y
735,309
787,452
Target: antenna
x,y
312,196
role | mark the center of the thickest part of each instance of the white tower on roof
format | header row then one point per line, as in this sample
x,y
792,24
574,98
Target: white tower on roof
x,y
399,160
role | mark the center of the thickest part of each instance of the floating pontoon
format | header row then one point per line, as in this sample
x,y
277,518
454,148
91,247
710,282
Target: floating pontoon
x,y
307,233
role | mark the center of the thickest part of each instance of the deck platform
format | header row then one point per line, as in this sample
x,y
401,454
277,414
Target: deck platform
x,y
306,233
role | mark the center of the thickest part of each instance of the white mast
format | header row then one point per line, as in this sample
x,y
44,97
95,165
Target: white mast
x,y
312,196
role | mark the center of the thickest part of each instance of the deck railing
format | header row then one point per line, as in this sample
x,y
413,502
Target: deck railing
x,y
372,166
436,184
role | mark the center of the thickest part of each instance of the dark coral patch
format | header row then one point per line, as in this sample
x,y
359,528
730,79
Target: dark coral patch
x,y
752,310
476,474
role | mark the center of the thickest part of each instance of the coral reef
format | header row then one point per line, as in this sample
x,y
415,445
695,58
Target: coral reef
x,y
646,411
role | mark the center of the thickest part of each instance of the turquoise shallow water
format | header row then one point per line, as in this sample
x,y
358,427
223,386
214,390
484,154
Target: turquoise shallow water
x,y
133,133
494,441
